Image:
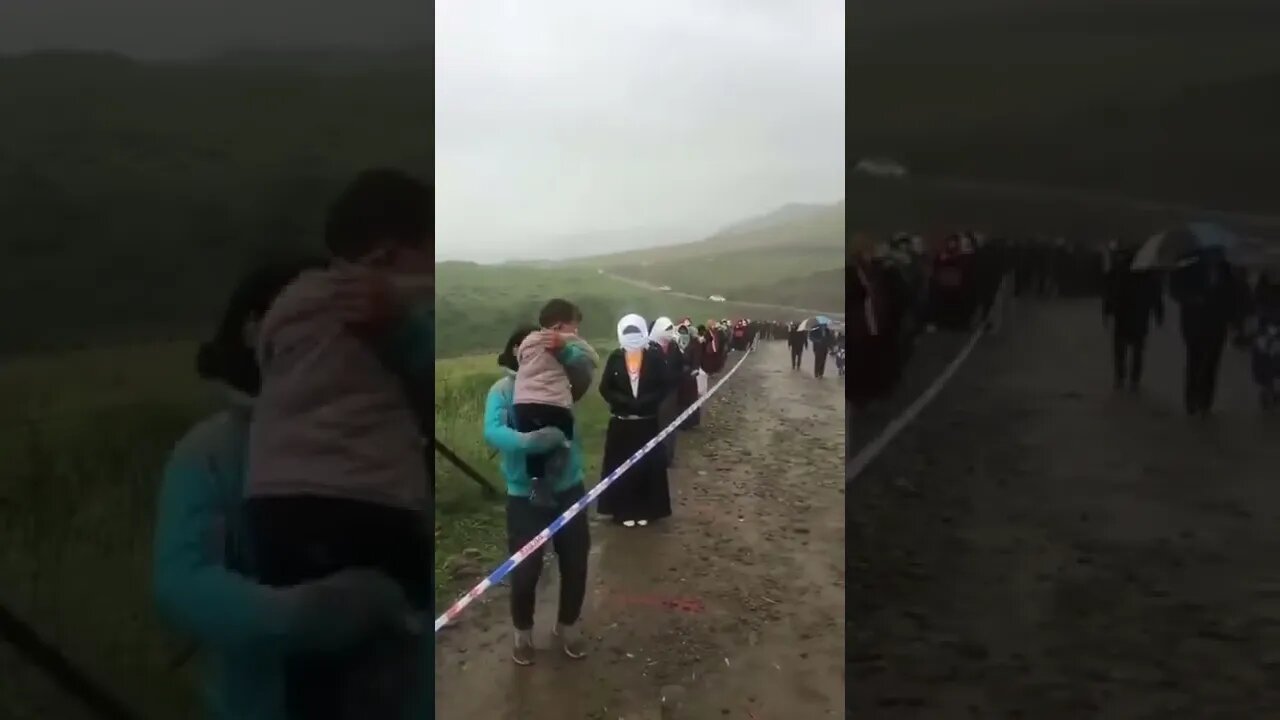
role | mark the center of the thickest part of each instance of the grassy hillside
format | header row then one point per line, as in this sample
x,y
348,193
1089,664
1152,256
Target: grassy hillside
x,y
1171,101
477,306
132,194
86,434
784,257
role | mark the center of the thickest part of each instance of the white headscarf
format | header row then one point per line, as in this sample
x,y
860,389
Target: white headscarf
x,y
663,330
632,334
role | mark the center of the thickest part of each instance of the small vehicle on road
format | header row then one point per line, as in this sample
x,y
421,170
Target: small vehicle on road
x,y
716,298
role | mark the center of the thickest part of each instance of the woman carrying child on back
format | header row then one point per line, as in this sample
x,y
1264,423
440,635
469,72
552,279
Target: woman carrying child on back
x,y
543,395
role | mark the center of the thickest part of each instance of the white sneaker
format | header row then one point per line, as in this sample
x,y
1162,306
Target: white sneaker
x,y
642,523
629,523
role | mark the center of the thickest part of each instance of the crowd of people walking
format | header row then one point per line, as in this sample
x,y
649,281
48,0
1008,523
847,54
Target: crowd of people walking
x,y
901,288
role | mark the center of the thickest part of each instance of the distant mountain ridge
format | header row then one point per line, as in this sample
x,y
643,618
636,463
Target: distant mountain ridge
x,y
313,59
328,58
789,213
794,225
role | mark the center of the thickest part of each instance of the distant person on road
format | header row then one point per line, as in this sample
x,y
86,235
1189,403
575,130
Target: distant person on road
x,y
797,342
990,269
714,350
525,519
543,393
820,339
1132,298
634,382
947,287
663,337
688,393
203,557
1266,299
1205,286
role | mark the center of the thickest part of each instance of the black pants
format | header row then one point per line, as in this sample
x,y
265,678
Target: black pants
x,y
529,417
303,538
819,362
796,355
572,543
1204,354
1129,349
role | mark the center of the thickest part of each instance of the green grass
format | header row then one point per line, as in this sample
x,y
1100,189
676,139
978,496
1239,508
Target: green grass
x,y
1147,102
477,306
789,256
86,435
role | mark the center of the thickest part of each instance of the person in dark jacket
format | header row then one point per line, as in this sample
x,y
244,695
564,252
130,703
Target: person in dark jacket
x,y
797,341
1206,288
1131,300
820,338
634,382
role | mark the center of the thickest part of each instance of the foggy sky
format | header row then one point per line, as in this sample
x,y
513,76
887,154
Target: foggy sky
x,y
181,29
568,117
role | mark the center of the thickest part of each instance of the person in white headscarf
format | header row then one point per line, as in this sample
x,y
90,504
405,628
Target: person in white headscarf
x,y
687,386
634,382
664,335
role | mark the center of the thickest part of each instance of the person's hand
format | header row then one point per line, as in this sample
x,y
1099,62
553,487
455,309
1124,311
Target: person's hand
x,y
556,341
413,288
353,602
361,295
544,439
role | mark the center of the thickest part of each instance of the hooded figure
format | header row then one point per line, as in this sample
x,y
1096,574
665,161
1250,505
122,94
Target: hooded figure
x,y
687,392
663,331
663,335
634,383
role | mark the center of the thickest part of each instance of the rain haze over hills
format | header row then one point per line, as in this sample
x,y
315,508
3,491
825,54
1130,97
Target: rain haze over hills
x,y
186,29
570,128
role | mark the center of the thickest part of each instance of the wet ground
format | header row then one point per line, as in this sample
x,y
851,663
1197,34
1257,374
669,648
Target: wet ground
x,y
1039,546
731,608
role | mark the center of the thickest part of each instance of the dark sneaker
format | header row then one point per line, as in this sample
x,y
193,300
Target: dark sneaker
x,y
522,650
572,641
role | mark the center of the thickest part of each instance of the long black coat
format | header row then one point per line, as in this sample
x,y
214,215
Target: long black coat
x,y
1132,299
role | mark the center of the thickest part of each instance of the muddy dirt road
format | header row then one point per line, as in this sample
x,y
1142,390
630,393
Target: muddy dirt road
x,y
1039,546
732,607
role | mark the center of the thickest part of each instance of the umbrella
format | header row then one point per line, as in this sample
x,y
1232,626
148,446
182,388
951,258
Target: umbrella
x,y
1166,248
